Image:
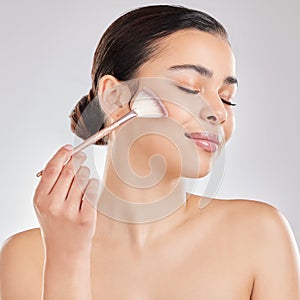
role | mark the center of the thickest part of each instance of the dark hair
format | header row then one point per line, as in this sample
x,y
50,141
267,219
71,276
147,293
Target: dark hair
x,y
128,43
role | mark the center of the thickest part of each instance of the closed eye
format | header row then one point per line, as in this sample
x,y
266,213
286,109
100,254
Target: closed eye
x,y
187,90
195,92
229,103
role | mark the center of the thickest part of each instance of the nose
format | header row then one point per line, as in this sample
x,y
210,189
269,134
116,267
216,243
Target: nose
x,y
213,111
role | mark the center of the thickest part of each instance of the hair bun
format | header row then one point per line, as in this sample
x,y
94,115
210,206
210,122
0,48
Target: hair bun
x,y
87,118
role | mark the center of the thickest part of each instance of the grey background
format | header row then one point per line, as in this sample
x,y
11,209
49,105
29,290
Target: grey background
x,y
46,57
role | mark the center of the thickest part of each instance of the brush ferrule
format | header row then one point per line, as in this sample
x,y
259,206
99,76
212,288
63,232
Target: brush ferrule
x,y
126,117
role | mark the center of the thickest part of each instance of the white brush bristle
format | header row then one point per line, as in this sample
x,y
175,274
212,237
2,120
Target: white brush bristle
x,y
148,105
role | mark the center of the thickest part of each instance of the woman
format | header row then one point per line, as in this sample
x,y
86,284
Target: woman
x,y
233,249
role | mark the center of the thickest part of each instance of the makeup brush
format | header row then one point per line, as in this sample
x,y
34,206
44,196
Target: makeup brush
x,y
146,105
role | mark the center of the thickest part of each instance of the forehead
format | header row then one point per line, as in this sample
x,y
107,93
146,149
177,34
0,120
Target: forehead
x,y
193,46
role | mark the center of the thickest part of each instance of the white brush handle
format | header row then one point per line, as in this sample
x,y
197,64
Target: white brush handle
x,y
100,134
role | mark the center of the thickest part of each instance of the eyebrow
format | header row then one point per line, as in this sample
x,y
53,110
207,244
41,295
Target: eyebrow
x,y
203,71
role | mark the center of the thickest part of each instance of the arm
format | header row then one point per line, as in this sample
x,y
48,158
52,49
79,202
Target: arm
x,y
277,275
22,275
67,277
68,224
19,277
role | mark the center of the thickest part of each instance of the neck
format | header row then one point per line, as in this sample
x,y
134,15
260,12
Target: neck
x,y
136,216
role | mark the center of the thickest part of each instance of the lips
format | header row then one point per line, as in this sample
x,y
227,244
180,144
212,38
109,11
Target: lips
x,y
204,136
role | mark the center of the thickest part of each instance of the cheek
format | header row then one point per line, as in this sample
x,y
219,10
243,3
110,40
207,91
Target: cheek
x,y
184,119
176,112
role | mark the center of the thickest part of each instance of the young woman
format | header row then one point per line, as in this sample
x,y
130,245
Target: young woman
x,y
233,249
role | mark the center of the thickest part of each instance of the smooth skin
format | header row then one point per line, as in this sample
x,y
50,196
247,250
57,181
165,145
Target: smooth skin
x,y
233,249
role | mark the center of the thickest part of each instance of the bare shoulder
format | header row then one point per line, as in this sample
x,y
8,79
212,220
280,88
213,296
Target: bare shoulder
x,y
245,211
21,258
276,254
256,224
267,242
25,241
244,205
265,217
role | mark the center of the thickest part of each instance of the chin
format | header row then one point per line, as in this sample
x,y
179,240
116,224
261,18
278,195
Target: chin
x,y
200,174
199,170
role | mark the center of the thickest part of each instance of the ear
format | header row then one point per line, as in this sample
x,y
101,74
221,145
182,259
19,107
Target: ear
x,y
109,96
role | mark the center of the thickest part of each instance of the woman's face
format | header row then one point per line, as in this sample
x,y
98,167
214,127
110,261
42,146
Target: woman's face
x,y
198,61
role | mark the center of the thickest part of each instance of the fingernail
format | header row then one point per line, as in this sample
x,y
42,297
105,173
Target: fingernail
x,y
68,147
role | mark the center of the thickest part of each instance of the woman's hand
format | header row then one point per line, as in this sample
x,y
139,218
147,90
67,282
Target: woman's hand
x,y
67,221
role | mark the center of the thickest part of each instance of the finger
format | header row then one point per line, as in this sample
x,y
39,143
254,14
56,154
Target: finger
x,y
62,185
91,197
77,189
52,170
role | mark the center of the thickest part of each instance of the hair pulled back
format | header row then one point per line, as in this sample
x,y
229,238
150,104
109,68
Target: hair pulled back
x,y
128,43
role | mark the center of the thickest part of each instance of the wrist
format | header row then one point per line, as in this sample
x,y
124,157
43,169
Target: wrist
x,y
65,255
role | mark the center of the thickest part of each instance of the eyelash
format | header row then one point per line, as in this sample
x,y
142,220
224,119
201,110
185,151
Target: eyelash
x,y
195,92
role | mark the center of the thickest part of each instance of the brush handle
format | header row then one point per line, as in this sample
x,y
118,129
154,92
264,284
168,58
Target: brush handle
x,y
100,134
105,131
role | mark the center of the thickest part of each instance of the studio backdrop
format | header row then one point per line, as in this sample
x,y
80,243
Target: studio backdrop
x,y
46,57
